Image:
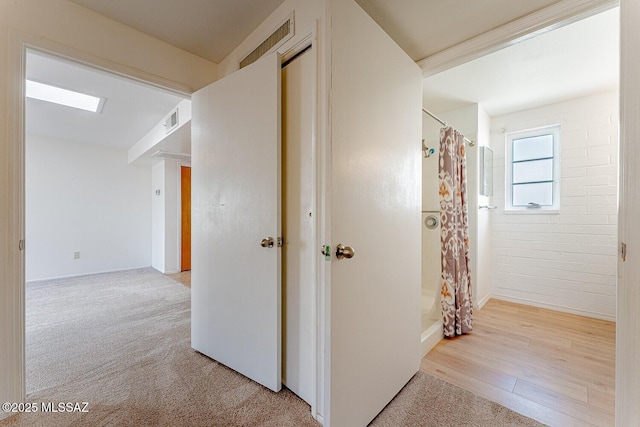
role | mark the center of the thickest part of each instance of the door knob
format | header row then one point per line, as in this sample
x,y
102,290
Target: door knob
x,y
344,251
267,243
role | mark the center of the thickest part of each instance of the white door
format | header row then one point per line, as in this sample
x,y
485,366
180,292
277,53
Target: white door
x,y
376,186
236,295
298,275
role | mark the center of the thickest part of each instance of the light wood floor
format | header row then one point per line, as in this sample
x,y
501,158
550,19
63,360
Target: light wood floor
x,y
554,367
184,278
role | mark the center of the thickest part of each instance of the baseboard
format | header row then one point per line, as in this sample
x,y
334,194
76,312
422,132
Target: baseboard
x,y
319,418
483,301
88,274
430,338
555,307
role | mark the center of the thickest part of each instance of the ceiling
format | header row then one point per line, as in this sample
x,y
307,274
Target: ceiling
x,y
210,29
425,27
131,109
571,61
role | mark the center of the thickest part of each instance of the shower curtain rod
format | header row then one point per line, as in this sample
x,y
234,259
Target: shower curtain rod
x,y
445,124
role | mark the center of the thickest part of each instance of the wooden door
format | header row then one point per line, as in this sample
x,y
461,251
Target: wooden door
x,y
236,207
185,208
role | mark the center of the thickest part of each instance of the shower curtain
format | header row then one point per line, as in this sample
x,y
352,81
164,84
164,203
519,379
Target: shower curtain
x,y
457,313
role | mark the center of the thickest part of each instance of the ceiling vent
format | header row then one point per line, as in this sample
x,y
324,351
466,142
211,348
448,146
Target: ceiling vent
x,y
171,122
162,154
275,40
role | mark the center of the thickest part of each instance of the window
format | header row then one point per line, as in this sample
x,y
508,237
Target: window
x,y
533,170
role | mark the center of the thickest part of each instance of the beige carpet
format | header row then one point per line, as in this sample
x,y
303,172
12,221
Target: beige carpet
x,y
120,341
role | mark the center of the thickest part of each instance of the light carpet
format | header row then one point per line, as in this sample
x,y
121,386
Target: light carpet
x,y
121,342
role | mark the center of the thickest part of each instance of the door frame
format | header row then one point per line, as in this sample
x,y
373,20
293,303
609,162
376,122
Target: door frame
x,y
319,176
19,44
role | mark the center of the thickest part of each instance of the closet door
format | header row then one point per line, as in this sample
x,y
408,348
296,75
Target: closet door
x,y
298,274
236,272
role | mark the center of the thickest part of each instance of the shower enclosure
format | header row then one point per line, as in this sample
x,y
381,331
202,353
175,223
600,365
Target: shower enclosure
x,y
465,119
430,303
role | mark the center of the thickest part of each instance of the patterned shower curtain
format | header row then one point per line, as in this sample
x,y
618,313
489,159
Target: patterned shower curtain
x,y
457,313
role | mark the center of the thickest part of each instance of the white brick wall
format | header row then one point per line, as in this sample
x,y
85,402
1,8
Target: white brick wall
x,y
564,261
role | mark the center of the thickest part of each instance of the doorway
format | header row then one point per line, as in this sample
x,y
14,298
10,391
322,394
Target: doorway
x,y
536,257
544,81
87,210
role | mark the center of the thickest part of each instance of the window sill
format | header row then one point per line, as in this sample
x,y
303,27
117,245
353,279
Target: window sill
x,y
526,211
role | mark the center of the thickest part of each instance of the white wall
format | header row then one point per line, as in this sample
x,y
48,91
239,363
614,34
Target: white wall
x,y
165,179
483,271
158,139
564,261
308,16
157,216
88,199
171,218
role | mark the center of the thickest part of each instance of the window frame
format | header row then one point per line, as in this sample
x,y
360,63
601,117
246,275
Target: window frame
x,y
554,130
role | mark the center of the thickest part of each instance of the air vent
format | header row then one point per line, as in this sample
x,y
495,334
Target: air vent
x,y
162,154
279,36
171,122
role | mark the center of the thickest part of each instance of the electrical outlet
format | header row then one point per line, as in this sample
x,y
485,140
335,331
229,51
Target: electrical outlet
x,y
76,255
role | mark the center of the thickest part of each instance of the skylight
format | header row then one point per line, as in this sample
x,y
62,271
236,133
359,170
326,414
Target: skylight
x,y
69,98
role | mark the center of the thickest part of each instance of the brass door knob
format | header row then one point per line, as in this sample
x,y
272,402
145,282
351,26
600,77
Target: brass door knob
x,y
344,251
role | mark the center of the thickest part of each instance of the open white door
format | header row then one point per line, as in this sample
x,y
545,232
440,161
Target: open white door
x,y
376,185
235,294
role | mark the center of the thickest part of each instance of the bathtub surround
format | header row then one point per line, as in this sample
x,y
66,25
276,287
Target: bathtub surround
x,y
567,260
457,310
135,326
